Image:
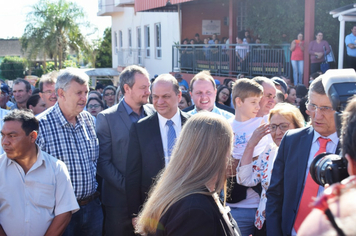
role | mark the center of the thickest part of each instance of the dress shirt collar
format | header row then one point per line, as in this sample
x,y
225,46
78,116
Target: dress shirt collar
x,y
129,109
162,121
334,138
62,120
40,160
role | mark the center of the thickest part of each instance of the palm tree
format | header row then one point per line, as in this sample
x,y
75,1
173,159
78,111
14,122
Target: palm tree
x,y
51,27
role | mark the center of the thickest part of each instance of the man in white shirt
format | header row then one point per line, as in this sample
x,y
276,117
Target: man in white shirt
x,y
292,189
152,140
36,194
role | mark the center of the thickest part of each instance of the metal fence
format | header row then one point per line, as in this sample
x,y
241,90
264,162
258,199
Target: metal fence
x,y
233,59
130,57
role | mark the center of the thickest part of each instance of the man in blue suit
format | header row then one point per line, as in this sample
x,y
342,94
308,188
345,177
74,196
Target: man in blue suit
x,y
287,197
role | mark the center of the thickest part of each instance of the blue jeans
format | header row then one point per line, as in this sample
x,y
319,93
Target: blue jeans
x,y
245,219
298,68
87,221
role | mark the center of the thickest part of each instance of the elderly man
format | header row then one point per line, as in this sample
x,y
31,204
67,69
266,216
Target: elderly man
x,y
292,188
22,92
36,194
68,133
339,199
113,126
47,88
203,93
267,101
152,140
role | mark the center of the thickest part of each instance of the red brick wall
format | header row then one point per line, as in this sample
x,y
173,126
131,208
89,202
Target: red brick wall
x,y
193,15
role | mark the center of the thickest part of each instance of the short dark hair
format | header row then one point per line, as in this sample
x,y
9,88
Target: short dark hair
x,y
33,100
27,84
26,117
348,130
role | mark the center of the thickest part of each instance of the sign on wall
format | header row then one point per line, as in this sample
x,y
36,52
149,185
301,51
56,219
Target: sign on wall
x,y
211,27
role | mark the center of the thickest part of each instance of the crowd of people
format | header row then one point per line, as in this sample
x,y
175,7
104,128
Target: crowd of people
x,y
161,156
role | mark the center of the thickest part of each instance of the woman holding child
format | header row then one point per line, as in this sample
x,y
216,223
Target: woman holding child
x,y
251,172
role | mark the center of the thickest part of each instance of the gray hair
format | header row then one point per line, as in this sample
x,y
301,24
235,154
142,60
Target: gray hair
x,y
170,79
127,76
317,86
69,75
49,78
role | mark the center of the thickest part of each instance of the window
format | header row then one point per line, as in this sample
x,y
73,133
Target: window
x,y
241,15
139,45
120,39
130,39
158,40
147,41
115,42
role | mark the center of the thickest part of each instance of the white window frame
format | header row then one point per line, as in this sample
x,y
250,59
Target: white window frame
x,y
158,40
147,41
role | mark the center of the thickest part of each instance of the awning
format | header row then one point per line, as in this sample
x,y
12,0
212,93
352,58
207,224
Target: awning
x,y
157,5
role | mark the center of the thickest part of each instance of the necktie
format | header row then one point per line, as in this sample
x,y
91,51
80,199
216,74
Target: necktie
x,y
310,190
171,136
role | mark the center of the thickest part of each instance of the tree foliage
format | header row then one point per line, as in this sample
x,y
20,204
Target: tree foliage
x,y
104,55
53,27
287,17
13,67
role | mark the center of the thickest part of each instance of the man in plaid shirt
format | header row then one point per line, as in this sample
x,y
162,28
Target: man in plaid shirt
x,y
68,133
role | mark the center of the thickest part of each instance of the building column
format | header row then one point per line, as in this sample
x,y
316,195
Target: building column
x,y
309,21
232,29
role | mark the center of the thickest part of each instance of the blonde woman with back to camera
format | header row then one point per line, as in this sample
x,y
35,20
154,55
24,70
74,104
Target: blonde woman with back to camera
x,y
184,200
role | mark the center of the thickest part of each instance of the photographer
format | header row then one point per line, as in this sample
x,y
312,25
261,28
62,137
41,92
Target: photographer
x,y
334,212
292,189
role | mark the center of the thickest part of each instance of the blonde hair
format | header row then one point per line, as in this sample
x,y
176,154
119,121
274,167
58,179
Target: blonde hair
x,y
203,75
245,88
201,154
290,112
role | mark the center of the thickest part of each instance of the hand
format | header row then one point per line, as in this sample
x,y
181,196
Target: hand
x,y
258,134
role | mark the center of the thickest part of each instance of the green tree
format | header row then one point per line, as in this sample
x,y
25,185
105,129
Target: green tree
x,y
52,27
13,67
104,56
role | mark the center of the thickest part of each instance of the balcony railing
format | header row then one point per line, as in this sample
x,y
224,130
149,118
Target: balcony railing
x,y
130,57
233,59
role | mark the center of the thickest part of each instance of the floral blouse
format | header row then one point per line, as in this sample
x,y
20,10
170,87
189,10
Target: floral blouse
x,y
259,171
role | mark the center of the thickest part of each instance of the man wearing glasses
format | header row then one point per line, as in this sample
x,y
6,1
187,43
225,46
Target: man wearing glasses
x,y
292,189
47,88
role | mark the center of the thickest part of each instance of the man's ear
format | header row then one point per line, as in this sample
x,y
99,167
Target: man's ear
x,y
60,93
33,136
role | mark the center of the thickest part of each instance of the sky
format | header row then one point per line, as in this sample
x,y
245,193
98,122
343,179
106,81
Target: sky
x,y
13,17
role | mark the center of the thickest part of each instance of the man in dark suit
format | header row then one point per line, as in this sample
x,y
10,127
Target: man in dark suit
x,y
150,142
292,189
113,126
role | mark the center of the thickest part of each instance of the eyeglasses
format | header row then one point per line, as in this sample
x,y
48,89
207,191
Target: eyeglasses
x,y
323,109
282,127
93,106
49,92
109,94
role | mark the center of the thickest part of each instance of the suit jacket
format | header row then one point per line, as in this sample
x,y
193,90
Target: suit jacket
x,y
196,214
145,160
287,181
113,126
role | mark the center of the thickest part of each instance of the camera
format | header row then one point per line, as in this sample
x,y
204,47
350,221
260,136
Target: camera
x,y
339,86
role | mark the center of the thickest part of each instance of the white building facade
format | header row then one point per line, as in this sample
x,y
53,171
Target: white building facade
x,y
141,38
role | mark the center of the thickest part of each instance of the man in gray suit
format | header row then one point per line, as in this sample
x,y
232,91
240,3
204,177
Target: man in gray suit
x,y
113,127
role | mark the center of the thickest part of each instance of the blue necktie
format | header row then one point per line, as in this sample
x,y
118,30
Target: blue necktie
x,y
171,136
